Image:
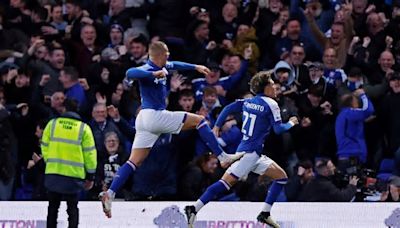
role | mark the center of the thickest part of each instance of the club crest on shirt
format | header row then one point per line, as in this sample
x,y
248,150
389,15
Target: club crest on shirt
x,y
162,81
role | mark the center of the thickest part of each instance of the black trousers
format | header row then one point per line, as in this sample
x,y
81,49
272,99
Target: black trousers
x,y
54,204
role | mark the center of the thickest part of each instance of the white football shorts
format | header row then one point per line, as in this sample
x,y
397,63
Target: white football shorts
x,y
250,162
150,124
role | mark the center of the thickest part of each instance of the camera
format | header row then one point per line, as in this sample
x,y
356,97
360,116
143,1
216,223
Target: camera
x,y
366,185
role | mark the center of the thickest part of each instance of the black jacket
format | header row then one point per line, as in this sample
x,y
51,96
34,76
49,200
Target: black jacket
x,y
322,189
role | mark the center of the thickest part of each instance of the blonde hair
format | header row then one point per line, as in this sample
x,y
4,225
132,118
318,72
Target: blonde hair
x,y
157,48
259,81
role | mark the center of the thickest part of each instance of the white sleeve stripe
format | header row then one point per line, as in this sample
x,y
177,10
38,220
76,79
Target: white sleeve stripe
x,y
364,100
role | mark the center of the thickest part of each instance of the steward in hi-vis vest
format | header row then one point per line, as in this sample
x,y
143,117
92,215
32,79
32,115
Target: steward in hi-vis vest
x,y
70,155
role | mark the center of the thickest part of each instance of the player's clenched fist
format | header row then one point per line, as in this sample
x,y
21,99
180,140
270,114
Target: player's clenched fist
x,y
160,74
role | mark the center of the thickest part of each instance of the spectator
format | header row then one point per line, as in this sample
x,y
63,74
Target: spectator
x,y
7,153
39,23
186,101
210,99
264,24
246,38
108,167
116,36
315,137
302,176
388,118
86,51
350,129
137,52
284,75
226,25
322,188
76,19
47,107
198,47
295,37
57,19
316,72
341,34
17,88
299,69
55,64
354,81
378,74
198,176
73,89
224,84
37,166
100,125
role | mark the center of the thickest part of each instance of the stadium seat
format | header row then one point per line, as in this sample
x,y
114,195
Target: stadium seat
x,y
385,169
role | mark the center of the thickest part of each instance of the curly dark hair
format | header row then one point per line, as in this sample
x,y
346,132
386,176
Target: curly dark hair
x,y
260,80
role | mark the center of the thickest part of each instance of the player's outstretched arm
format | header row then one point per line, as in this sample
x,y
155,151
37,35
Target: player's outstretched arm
x,y
202,69
279,128
231,108
135,73
177,65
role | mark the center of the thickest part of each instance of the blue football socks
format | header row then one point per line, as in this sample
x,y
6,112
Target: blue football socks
x,y
122,175
214,191
274,191
208,137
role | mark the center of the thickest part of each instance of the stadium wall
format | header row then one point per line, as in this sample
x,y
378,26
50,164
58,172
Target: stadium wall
x,y
215,214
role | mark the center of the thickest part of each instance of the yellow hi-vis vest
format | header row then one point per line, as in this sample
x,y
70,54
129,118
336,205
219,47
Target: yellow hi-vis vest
x,y
68,148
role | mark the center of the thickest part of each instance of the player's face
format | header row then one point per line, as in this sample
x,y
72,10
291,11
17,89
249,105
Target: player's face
x,y
270,90
164,57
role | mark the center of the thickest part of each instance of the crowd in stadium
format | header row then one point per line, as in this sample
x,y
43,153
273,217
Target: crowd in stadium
x,y
322,54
